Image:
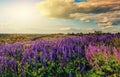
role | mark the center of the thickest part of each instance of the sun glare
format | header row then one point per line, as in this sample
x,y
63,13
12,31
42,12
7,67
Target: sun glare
x,y
21,12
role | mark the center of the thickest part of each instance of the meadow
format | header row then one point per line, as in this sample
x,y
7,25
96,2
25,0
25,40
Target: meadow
x,y
60,55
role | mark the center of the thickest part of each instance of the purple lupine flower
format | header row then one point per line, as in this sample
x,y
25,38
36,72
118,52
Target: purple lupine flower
x,y
1,53
79,51
51,55
41,57
29,60
44,61
4,61
35,58
13,64
83,68
64,54
116,52
70,74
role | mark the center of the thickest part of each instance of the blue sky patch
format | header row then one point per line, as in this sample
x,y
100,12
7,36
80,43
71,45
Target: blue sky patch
x,y
79,0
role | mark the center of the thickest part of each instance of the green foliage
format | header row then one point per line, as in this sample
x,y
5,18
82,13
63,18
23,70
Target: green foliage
x,y
105,68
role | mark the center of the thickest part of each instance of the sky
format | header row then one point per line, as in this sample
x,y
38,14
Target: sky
x,y
59,16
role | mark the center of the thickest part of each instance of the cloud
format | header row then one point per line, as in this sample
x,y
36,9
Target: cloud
x,y
77,29
65,28
57,8
110,29
104,12
107,27
69,29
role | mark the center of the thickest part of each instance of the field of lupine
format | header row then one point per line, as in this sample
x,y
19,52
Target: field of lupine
x,y
70,56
